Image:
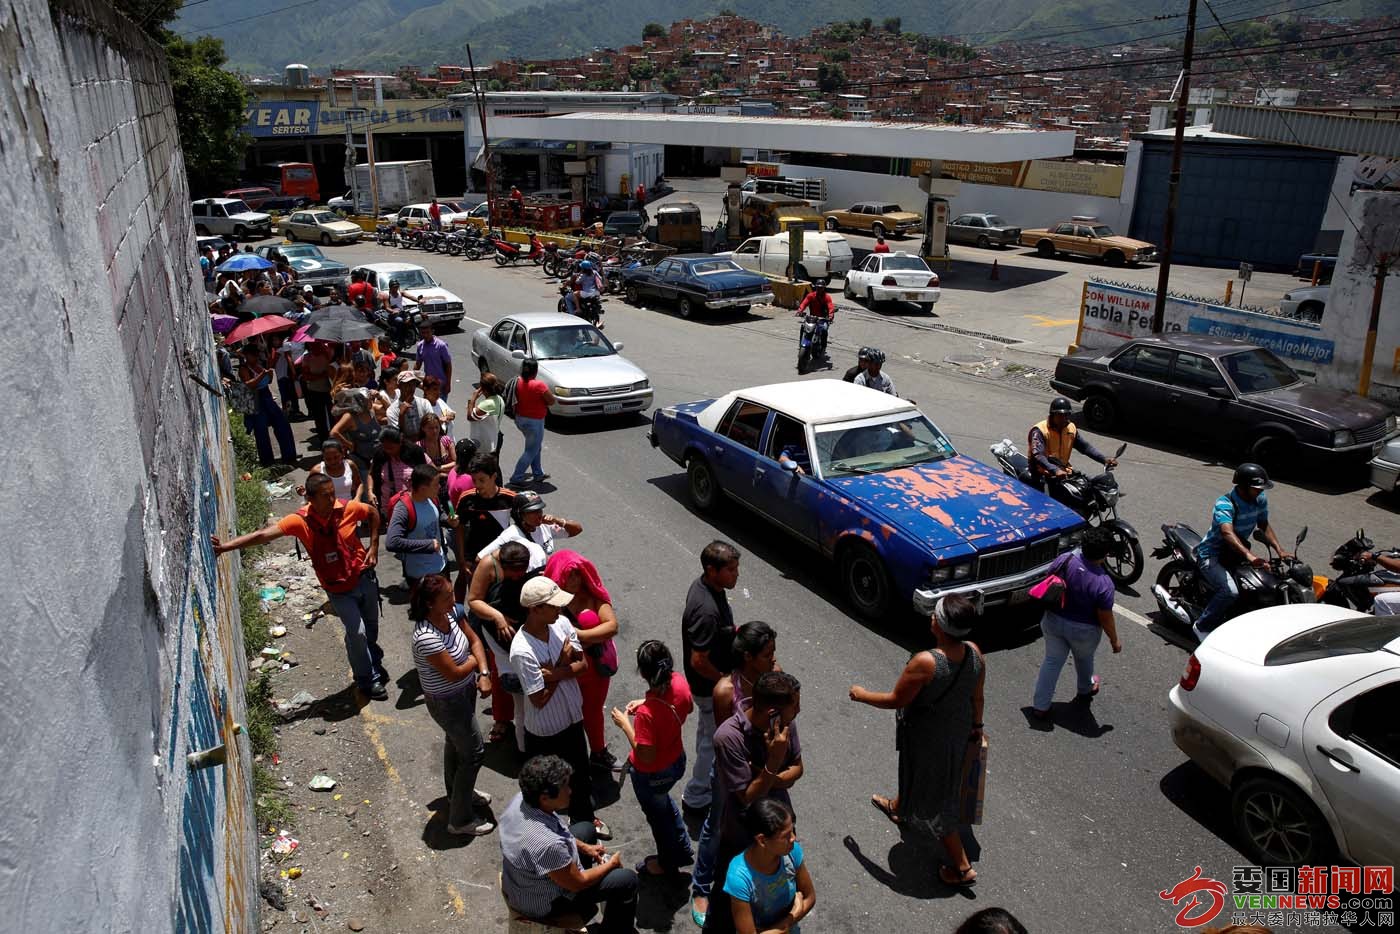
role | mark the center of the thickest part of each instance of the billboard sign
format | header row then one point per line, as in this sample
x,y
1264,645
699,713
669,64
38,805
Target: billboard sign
x,y
273,119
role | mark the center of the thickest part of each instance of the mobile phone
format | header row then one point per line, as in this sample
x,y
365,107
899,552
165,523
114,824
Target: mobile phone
x,y
775,721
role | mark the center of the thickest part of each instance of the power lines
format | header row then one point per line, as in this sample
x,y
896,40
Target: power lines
x,y
244,19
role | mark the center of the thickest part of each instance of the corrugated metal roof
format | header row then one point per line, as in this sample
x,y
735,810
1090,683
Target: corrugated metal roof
x,y
1362,135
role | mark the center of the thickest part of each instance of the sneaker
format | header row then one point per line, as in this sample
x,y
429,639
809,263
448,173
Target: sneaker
x,y
601,829
479,829
604,759
480,798
541,477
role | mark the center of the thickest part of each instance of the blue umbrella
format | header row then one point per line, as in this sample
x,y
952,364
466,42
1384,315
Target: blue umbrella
x,y
244,262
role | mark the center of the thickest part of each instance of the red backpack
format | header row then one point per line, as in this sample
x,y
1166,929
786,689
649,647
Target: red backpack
x,y
329,560
405,497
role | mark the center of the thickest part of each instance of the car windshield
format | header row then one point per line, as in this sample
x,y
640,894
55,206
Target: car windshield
x,y
995,220
324,217
891,209
1258,371
412,278
571,342
897,263
711,266
1356,636
1103,230
301,251
872,445
237,207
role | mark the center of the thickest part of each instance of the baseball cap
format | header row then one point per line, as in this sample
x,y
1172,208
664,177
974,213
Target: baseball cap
x,y
541,590
308,290
408,376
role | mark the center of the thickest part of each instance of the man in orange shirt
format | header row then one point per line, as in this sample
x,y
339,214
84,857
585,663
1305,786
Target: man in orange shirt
x,y
326,527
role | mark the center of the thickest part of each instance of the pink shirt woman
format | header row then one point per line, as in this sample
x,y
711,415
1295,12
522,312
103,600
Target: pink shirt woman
x,y
592,612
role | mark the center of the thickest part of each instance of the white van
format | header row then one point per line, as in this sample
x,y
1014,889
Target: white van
x,y
824,254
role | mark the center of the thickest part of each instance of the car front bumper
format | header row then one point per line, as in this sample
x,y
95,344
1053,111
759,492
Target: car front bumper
x,y
760,298
1144,256
623,403
1384,474
1014,588
884,293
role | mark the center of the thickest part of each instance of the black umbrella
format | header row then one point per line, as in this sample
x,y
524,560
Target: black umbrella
x,y
334,313
342,330
260,305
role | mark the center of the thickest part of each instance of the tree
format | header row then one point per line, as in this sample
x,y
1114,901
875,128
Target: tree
x,y
653,31
642,71
865,25
892,25
830,77
209,111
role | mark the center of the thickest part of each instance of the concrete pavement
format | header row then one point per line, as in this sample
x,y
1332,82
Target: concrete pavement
x,y
1084,824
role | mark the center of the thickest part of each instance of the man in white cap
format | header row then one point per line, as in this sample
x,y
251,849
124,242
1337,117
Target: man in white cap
x,y
407,411
548,658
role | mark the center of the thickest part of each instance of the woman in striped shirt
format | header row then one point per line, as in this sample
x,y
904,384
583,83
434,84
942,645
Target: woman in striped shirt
x,y
451,664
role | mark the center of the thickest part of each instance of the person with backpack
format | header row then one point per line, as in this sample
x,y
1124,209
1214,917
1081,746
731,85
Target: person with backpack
x,y
391,468
326,529
415,527
1084,615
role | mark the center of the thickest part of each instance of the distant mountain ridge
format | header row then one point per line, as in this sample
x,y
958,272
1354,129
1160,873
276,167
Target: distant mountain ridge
x,y
388,33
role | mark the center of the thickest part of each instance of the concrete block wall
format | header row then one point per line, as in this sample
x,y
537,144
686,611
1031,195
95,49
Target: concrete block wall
x,y
1371,230
123,647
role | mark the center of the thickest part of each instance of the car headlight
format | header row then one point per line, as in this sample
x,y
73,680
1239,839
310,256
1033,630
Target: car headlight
x,y
1070,539
944,573
962,571
1389,424
642,384
1342,439
563,391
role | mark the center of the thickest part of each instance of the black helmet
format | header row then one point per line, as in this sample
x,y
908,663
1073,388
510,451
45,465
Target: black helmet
x,y
1060,406
875,355
864,354
1253,477
525,501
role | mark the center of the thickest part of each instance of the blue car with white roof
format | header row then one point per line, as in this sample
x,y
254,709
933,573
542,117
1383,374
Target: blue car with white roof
x,y
870,482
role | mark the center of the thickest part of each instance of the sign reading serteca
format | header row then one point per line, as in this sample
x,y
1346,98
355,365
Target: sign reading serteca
x,y
281,118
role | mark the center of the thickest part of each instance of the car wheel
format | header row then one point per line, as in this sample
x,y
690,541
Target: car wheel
x,y
325,239
877,229
1114,257
865,580
690,308
926,307
1278,825
1046,249
201,230
1099,412
846,290
831,223
632,296
983,242
482,365
240,232
1310,311
1272,450
702,485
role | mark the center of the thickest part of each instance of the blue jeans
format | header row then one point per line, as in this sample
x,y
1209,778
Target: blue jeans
x,y
1218,577
653,791
463,750
1063,638
707,848
270,415
697,790
533,431
358,610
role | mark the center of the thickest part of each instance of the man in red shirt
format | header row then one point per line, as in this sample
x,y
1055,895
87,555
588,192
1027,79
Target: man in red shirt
x,y
435,215
326,527
532,402
881,246
641,195
360,288
517,202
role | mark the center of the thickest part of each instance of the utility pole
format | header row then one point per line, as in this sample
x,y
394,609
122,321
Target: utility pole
x,y
1368,356
491,215
1164,263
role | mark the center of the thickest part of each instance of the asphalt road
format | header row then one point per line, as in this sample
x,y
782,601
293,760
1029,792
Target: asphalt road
x,y
1084,824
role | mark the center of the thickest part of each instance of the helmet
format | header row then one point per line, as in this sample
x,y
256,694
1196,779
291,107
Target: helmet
x,y
586,266
1060,406
1253,477
875,355
525,501
864,354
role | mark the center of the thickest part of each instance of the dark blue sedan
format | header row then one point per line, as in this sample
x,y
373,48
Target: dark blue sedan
x,y
697,284
867,480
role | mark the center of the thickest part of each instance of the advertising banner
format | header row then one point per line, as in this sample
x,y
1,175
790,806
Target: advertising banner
x,y
1072,178
267,119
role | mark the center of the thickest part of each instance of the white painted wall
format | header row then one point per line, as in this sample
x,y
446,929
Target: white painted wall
x,y
122,649
1339,200
1348,315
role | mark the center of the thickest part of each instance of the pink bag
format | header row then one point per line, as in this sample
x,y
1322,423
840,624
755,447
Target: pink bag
x,y
1050,592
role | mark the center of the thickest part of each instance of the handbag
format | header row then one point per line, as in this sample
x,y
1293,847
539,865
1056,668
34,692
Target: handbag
x,y
241,399
1050,592
974,782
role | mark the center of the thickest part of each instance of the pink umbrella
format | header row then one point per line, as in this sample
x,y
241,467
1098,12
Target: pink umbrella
x,y
267,324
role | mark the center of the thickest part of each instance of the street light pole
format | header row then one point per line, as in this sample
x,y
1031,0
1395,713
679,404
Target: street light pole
x,y
1164,263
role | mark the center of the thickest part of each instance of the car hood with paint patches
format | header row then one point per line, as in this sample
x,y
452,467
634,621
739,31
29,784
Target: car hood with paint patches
x,y
958,501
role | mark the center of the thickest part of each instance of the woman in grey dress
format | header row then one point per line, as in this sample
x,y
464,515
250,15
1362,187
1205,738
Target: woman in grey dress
x,y
939,702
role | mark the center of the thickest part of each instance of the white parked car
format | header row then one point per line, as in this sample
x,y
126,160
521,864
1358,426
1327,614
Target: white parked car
x,y
1385,467
440,306
824,255
1294,710
229,217
583,369
1307,303
416,215
893,277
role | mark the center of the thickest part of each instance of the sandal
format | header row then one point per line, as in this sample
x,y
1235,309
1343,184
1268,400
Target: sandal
x,y
499,732
651,866
886,807
960,879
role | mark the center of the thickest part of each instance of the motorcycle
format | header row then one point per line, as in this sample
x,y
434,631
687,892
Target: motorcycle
x,y
455,242
1095,498
590,307
811,341
384,234
1359,581
507,253
400,327
1182,594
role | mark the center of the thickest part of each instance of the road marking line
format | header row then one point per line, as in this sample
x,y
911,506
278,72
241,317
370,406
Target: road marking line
x,y
1043,322
486,324
372,732
1134,616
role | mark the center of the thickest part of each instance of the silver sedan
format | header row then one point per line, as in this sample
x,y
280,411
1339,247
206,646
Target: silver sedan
x,y
581,367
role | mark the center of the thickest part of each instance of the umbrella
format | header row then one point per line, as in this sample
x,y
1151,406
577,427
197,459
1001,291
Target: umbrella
x,y
341,330
222,324
245,262
260,305
267,324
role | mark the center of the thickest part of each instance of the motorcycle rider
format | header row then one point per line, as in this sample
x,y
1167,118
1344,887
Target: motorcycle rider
x,y
1233,520
588,284
1386,603
819,305
872,377
862,359
1057,437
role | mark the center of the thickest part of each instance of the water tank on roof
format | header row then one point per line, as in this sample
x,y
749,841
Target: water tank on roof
x,y
297,76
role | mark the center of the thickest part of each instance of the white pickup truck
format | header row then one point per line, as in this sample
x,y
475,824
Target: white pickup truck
x,y
824,254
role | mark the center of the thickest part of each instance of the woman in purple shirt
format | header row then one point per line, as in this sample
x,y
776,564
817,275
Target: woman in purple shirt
x,y
1076,627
